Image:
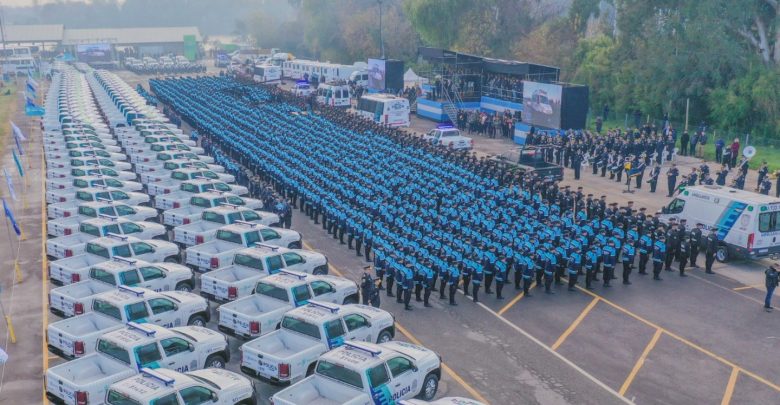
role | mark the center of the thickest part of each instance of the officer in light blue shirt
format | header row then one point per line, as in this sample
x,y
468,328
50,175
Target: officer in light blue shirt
x,y
629,252
645,249
659,256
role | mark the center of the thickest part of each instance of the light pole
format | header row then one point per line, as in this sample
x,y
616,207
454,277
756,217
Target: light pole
x,y
381,39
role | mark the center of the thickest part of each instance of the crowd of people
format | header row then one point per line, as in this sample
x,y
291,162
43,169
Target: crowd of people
x,y
429,219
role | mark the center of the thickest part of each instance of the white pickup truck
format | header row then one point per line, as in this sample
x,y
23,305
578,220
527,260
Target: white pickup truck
x,y
88,163
74,269
69,208
180,197
71,245
192,212
367,374
70,195
67,155
158,168
161,386
73,299
172,183
138,153
121,353
67,185
212,219
252,264
60,174
75,336
307,332
146,139
231,238
261,312
69,224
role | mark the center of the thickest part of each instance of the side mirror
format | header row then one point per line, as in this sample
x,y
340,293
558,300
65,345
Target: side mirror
x,y
415,369
214,397
191,347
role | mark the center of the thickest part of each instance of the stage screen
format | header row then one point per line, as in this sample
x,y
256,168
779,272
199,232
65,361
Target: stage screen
x,y
542,104
376,74
394,75
94,53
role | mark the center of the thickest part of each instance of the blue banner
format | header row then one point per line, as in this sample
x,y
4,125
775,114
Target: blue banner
x,y
10,216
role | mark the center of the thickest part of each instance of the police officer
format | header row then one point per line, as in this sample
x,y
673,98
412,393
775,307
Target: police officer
x,y
500,268
671,178
710,248
772,279
528,275
453,277
696,240
408,283
645,248
549,272
765,186
672,243
592,257
477,275
654,174
659,256
610,259
574,267
684,253
366,285
629,252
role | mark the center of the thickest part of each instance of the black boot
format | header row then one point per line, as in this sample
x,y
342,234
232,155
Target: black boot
x,y
399,293
407,298
453,288
426,297
499,288
475,293
488,283
417,291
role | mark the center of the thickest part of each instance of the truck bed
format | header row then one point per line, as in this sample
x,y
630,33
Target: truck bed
x,y
320,391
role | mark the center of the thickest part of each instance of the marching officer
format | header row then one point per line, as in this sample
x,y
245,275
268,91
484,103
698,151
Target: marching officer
x,y
500,268
366,285
772,279
528,275
629,252
671,178
659,256
710,248
592,257
696,240
645,248
684,253
574,267
610,258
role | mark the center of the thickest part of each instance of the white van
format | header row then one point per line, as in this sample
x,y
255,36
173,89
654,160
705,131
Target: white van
x,y
334,94
359,77
267,74
748,223
385,109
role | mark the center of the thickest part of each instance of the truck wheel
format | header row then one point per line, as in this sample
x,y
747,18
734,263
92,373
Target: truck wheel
x,y
320,270
197,320
352,299
429,387
215,361
184,286
172,259
384,337
722,254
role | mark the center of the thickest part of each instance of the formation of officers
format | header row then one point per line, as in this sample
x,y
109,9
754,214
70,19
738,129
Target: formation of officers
x,y
431,219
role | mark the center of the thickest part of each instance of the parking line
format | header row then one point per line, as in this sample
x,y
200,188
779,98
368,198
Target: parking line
x,y
44,286
731,290
444,367
730,387
514,300
746,287
574,324
683,340
640,362
416,341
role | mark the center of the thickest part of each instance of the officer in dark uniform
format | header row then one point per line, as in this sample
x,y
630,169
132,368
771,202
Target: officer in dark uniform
x,y
696,241
720,177
645,249
574,267
610,259
655,172
710,248
671,179
672,242
367,286
772,280
629,252
528,276
765,186
684,253
592,257
659,256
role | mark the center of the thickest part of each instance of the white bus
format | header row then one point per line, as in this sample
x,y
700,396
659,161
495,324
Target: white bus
x,y
748,223
385,109
267,74
321,71
17,60
334,94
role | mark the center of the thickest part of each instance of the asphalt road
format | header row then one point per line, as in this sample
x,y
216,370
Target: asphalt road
x,y
701,339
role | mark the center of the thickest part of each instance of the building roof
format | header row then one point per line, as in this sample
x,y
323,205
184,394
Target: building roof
x,y
33,33
146,35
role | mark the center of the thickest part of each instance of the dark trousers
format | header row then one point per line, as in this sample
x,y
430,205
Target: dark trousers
x,y
588,278
627,267
643,257
671,184
657,266
683,262
527,286
694,255
653,184
608,272
709,259
768,299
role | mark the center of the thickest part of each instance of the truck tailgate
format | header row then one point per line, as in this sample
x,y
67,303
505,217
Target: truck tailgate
x,y
214,284
235,316
87,328
62,300
92,374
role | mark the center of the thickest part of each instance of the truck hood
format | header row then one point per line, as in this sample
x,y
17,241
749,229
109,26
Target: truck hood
x,y
222,378
201,334
421,354
186,298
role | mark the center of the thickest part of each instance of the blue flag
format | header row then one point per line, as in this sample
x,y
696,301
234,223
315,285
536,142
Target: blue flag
x,y
31,89
18,164
10,182
10,215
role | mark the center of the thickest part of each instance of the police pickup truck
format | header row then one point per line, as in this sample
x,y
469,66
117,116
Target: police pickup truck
x,y
121,353
367,374
67,185
70,223
212,219
231,238
162,168
69,207
72,299
139,152
67,155
261,312
74,244
74,269
150,163
250,265
71,195
162,386
191,212
180,197
307,332
88,163
449,137
59,174
73,337
171,181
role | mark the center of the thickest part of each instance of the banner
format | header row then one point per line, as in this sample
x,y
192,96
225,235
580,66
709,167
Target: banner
x,y
10,184
10,216
32,110
18,164
18,132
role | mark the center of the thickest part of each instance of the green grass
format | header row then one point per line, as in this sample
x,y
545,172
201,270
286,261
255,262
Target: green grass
x,y
8,104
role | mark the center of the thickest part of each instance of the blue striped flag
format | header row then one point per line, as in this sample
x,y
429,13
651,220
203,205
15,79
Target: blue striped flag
x,y
10,184
10,216
18,163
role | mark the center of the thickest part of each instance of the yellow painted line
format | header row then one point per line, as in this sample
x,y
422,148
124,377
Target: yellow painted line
x,y
683,340
746,287
640,362
44,277
574,324
416,341
514,301
730,387
474,393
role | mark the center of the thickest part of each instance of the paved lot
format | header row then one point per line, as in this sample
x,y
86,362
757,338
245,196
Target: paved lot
x,y
702,339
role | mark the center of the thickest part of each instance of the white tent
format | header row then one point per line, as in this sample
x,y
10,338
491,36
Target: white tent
x,y
411,77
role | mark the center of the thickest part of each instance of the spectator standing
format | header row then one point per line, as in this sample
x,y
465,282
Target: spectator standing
x,y
684,139
734,152
719,144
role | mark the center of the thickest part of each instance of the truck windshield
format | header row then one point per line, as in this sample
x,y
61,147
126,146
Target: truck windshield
x,y
248,261
90,229
220,187
250,216
107,309
200,202
305,328
213,217
98,250
102,275
340,374
272,291
189,188
179,175
118,398
87,211
111,350
228,236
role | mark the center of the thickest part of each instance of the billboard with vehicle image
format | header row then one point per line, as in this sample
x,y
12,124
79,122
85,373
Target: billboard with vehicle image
x,y
542,104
